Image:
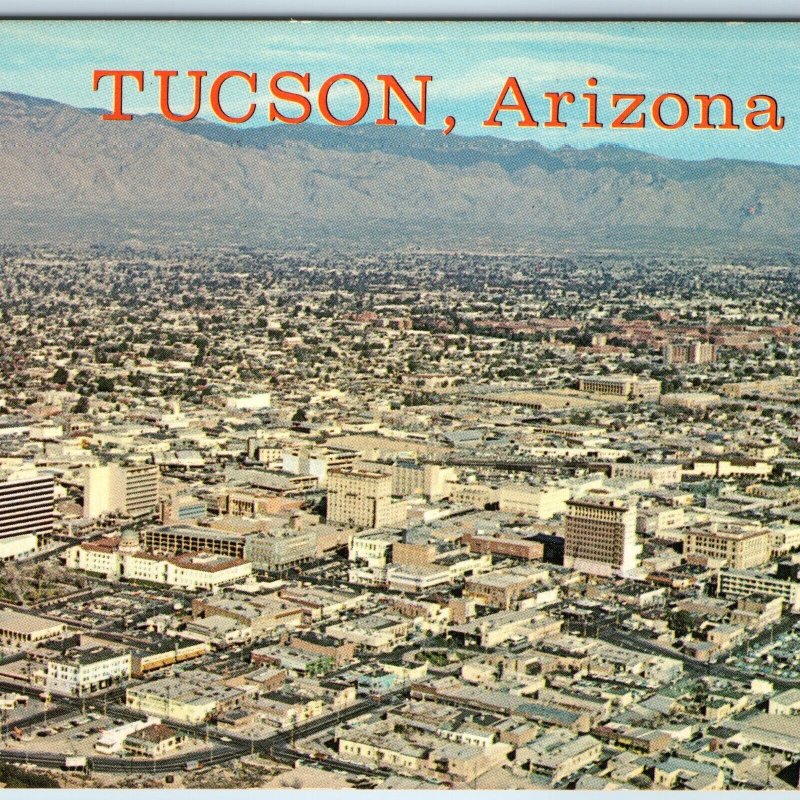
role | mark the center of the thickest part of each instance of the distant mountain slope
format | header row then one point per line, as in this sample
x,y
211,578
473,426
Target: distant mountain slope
x,y
68,175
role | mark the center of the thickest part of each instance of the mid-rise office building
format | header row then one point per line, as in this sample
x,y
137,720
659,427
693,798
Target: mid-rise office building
x,y
131,490
689,352
600,536
317,461
280,549
363,499
26,512
739,548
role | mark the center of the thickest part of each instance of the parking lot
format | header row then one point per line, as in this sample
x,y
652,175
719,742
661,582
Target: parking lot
x,y
75,735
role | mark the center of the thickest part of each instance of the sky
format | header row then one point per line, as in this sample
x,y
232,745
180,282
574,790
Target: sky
x,y
468,61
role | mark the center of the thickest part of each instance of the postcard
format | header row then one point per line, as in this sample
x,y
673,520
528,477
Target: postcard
x,y
399,405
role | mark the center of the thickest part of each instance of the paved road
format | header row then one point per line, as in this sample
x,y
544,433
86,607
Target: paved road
x,y
692,665
279,746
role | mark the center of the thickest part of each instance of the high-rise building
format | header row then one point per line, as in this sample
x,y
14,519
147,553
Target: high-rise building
x,y
113,489
26,512
689,352
600,536
362,499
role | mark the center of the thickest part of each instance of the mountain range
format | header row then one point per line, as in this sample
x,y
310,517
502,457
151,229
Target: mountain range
x,y
68,176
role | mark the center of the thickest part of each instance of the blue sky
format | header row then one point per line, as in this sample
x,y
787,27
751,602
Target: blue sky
x,y
469,62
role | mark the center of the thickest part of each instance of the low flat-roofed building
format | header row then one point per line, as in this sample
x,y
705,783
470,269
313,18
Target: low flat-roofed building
x,y
154,741
787,702
320,602
340,652
500,589
163,652
777,733
741,583
559,753
19,628
442,572
376,632
657,474
291,658
193,698
682,773
510,544
262,613
633,387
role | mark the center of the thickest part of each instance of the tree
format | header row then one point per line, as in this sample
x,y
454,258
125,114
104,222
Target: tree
x,y
682,622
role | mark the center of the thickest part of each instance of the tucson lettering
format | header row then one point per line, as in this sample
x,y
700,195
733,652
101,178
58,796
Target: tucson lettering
x,y
292,97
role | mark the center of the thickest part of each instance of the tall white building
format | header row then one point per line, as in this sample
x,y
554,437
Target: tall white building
x,y
26,512
113,489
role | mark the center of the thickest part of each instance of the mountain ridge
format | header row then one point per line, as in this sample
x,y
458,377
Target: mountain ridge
x,y
70,175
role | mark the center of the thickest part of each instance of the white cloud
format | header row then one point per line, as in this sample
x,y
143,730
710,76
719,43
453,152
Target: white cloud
x,y
487,77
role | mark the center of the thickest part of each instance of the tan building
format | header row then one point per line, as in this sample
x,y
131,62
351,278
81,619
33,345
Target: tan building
x,y
363,499
738,583
504,544
19,628
600,535
689,352
262,613
539,502
473,495
154,741
429,480
738,548
193,698
657,474
631,387
498,589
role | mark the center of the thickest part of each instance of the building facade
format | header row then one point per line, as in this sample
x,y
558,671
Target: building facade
x,y
600,536
362,499
26,512
131,490
739,549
